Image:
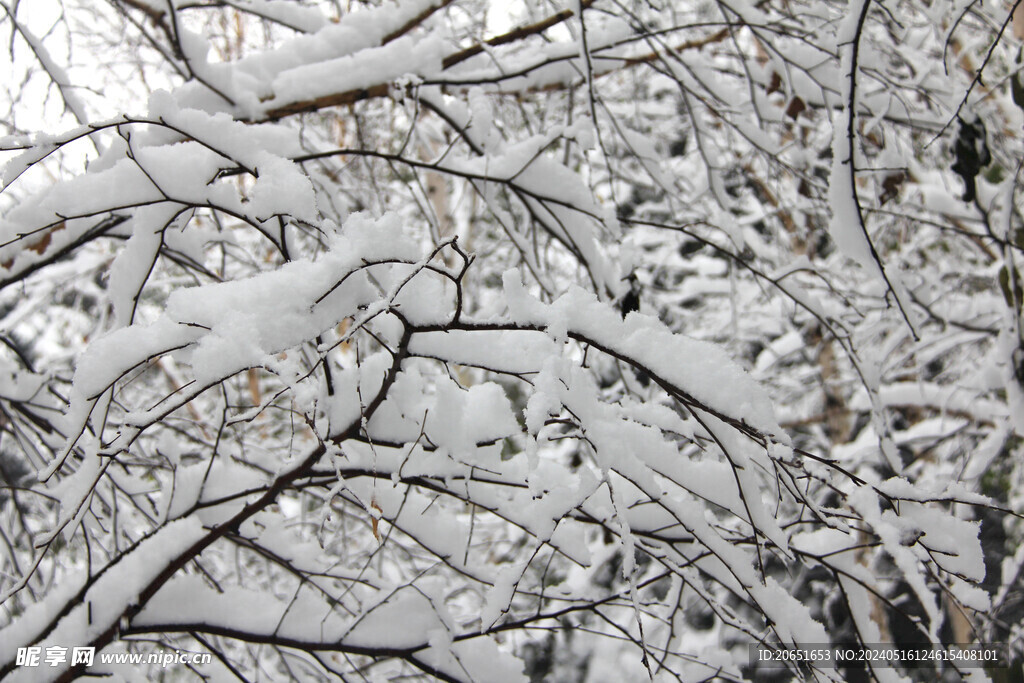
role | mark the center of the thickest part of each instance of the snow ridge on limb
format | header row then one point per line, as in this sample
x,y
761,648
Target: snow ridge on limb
x,y
848,226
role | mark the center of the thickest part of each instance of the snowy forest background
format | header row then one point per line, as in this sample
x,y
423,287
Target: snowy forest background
x,y
468,340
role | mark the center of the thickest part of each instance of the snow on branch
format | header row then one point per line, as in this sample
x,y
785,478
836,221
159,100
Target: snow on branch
x,y
450,340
